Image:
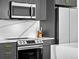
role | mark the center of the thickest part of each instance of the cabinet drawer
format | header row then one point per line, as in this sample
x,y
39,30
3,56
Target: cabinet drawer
x,y
10,57
2,56
8,51
6,48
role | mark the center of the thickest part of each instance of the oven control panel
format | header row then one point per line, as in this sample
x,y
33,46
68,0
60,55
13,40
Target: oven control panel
x,y
29,42
38,41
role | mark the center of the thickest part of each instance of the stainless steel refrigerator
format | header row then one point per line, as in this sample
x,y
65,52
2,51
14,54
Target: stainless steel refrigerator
x,y
66,34
66,25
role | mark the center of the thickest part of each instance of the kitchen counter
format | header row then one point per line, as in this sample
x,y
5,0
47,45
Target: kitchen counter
x,y
47,40
44,38
15,39
7,41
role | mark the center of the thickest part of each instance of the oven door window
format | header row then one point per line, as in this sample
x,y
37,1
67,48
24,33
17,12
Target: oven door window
x,y
21,11
30,54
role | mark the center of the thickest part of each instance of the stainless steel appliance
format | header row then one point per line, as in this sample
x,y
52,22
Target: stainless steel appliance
x,y
22,10
66,25
30,49
66,33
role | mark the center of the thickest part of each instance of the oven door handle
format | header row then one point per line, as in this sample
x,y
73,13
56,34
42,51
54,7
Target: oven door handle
x,y
30,47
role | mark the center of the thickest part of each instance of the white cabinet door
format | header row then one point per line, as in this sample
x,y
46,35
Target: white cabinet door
x,y
63,25
74,25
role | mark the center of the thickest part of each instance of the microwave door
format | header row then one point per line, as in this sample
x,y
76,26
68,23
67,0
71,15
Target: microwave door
x,y
33,11
20,10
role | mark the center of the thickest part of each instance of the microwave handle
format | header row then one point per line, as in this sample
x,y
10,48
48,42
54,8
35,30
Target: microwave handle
x,y
31,11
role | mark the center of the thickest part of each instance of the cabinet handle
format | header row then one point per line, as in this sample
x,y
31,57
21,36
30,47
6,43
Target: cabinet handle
x,y
8,12
31,11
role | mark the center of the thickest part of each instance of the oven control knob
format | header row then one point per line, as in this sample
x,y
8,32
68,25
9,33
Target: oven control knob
x,y
22,43
36,41
39,41
25,42
18,42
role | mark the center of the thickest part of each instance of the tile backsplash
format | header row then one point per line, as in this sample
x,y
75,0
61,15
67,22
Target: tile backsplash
x,y
18,29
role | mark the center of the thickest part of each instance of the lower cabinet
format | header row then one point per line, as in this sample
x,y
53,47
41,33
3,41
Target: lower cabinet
x,y
8,51
47,48
46,52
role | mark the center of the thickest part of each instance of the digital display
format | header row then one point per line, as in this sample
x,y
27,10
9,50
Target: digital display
x,y
32,41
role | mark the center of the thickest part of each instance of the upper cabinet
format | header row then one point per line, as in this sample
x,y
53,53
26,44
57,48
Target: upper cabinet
x,y
40,8
4,8
71,3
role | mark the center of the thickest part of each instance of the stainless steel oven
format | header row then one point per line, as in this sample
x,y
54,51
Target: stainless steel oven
x,y
22,10
30,49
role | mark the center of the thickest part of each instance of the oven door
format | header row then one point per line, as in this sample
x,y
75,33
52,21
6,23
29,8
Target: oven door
x,y
20,10
30,52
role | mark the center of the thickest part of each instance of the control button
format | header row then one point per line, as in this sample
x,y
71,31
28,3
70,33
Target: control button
x,y
38,41
25,42
41,41
18,42
22,42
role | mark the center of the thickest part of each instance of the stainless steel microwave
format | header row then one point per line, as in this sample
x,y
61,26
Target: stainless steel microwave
x,y
22,10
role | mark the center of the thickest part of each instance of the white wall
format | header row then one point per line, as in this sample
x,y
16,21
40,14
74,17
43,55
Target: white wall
x,y
18,28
